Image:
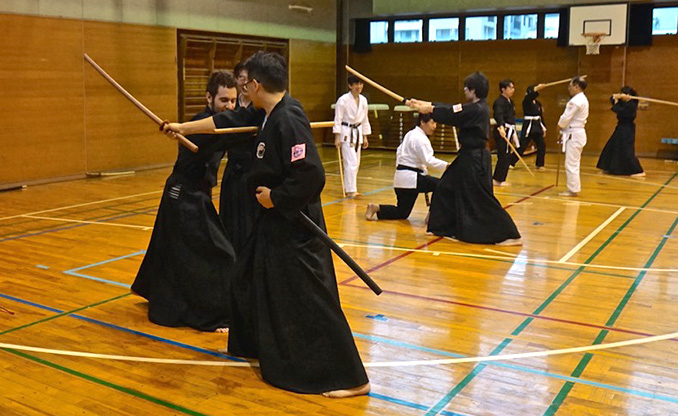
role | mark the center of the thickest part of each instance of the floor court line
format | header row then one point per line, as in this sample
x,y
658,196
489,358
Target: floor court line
x,y
590,237
360,336
140,227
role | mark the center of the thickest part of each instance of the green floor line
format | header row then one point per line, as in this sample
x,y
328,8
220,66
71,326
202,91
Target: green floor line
x,y
565,390
105,383
49,318
457,389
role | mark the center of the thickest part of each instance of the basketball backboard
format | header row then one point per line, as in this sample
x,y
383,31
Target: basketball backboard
x,y
610,19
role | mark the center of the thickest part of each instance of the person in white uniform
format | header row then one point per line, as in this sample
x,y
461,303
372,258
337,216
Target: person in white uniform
x,y
351,128
413,157
573,134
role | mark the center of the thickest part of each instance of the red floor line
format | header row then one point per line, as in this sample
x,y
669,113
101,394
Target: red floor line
x,y
435,240
523,314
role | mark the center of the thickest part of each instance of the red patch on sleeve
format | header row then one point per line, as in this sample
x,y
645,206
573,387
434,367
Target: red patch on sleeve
x,y
457,108
298,152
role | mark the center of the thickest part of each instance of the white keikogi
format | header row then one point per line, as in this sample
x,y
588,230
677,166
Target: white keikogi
x,y
415,152
351,122
572,124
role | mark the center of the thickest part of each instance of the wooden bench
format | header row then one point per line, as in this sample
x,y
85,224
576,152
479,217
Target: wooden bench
x,y
665,153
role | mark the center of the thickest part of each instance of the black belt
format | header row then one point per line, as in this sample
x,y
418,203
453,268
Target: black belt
x,y
353,126
403,167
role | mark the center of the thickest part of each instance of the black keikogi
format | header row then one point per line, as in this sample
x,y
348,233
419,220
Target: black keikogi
x,y
504,115
285,301
186,270
464,206
533,126
619,156
237,206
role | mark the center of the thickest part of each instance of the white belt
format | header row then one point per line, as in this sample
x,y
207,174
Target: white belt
x,y
529,125
510,132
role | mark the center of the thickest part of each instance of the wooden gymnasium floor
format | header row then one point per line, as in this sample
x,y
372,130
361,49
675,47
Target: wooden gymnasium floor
x,y
593,270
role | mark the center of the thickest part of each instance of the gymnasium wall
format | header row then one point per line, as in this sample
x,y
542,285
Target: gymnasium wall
x,y
61,119
436,71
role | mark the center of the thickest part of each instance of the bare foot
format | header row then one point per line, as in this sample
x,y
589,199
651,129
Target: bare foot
x,y
352,194
223,350
356,391
497,183
221,330
371,210
638,175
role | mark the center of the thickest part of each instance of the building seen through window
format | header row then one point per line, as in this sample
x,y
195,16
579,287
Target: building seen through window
x,y
481,28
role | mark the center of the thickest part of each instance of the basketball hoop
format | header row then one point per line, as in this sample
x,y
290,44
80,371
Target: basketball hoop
x,y
593,42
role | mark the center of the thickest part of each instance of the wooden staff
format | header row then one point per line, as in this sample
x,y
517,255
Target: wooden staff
x,y
254,129
313,227
3,309
652,100
184,141
375,85
513,149
341,171
562,81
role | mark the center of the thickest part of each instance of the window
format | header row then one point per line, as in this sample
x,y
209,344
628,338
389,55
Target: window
x,y
407,30
481,28
551,25
440,30
665,21
378,32
522,26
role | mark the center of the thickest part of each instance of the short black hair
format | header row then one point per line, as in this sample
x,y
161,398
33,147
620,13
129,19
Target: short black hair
x,y
580,82
504,83
352,79
219,79
238,67
424,118
629,90
477,82
269,69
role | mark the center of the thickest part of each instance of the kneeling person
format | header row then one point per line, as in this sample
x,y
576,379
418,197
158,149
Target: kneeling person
x,y
413,157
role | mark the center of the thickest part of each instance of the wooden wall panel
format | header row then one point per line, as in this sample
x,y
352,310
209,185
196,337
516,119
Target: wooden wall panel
x,y
652,72
143,60
435,71
41,99
312,77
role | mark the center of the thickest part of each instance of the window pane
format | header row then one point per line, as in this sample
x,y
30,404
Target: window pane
x,y
407,30
481,28
440,30
665,21
551,25
378,32
521,26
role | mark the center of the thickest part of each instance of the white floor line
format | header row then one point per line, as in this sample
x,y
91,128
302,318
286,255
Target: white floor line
x,y
448,361
81,205
501,252
108,200
588,238
110,224
520,260
584,202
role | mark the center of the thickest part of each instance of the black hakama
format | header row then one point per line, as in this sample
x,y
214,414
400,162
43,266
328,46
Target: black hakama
x,y
618,156
505,116
185,274
285,301
464,206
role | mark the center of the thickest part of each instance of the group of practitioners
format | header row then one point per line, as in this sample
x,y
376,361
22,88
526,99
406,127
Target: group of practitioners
x,y
463,205
255,271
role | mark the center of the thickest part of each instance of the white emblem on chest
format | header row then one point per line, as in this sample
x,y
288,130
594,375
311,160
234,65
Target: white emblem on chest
x,y
261,149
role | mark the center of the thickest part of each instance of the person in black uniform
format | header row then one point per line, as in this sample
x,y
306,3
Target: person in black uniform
x,y
534,127
505,116
285,301
463,206
237,206
619,156
186,270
